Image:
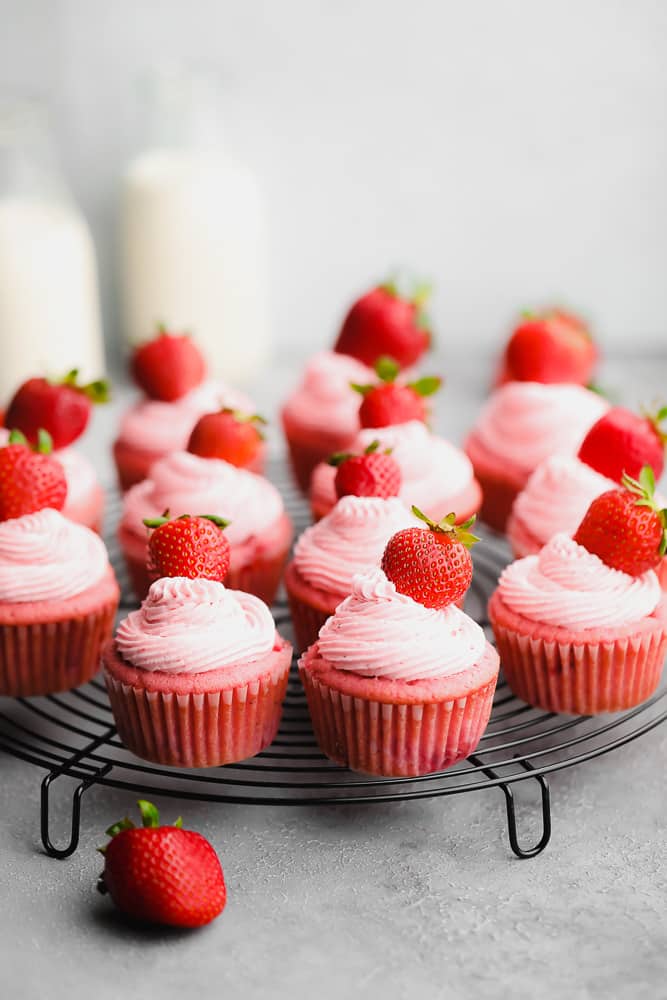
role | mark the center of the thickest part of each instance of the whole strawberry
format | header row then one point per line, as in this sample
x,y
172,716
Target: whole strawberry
x,y
30,480
393,403
622,441
61,408
228,434
383,322
626,528
431,565
373,474
162,874
195,547
551,346
168,366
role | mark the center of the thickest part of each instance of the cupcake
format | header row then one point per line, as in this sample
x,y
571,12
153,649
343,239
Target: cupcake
x,y
63,410
171,371
436,476
58,600
581,627
260,532
519,426
322,415
400,681
349,539
196,677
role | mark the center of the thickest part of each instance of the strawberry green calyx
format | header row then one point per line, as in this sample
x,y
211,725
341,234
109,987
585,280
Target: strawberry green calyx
x,y
447,526
339,457
426,386
150,819
644,489
98,391
656,419
44,444
387,369
157,522
390,287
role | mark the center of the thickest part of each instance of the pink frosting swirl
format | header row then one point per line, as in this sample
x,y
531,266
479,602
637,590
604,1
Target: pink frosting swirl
x,y
351,538
325,399
523,423
187,484
191,626
45,557
566,585
153,425
378,632
432,468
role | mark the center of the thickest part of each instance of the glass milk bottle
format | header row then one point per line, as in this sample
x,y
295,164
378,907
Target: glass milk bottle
x,y
49,302
193,234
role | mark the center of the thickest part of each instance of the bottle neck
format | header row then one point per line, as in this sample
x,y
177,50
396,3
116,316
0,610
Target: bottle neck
x,y
29,165
182,112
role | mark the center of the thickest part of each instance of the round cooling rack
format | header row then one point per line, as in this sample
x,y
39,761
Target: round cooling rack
x,y
73,734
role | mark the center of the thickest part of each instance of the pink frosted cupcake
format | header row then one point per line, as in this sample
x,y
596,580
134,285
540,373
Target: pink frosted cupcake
x,y
196,677
260,532
436,476
395,688
351,538
152,428
519,426
575,635
322,415
58,600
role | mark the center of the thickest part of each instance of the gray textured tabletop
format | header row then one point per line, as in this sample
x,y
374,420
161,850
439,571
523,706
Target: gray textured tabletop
x,y
411,899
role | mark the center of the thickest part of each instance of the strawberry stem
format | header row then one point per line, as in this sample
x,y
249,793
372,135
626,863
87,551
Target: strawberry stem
x,y
150,817
426,386
97,392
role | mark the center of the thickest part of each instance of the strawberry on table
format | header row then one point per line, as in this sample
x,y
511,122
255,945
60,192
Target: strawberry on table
x,y
195,547
162,874
549,346
61,408
391,402
384,322
30,480
229,434
431,565
168,366
624,442
626,528
373,474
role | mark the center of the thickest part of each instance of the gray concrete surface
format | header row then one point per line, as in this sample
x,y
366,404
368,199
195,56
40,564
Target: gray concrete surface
x,y
418,899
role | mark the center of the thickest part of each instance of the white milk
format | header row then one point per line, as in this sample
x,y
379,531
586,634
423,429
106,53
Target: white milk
x,y
49,308
194,255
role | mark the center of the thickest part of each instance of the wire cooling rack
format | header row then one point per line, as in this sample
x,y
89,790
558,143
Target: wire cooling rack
x,y
73,735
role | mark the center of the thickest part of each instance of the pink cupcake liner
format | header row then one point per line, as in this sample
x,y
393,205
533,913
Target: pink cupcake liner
x,y
577,676
199,728
47,657
396,739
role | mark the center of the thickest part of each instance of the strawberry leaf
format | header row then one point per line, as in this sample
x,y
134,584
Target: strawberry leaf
x,y
339,457
362,389
421,294
390,287
387,369
44,442
122,824
427,385
221,522
17,437
647,479
178,823
373,446
150,817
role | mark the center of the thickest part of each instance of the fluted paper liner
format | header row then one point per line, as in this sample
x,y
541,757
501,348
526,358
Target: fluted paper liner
x,y
396,740
45,658
582,678
199,730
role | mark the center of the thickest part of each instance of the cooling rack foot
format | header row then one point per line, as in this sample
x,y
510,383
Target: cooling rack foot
x,y
510,805
65,769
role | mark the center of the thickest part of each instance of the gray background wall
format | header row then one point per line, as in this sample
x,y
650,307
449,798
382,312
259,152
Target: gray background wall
x,y
512,150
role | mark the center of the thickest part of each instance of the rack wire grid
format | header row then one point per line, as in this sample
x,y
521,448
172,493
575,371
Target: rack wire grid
x,y
72,734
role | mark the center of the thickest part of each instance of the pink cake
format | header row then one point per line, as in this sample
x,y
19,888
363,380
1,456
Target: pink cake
x,y
58,600
260,533
575,635
151,428
519,426
351,538
196,677
436,476
322,414
395,688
